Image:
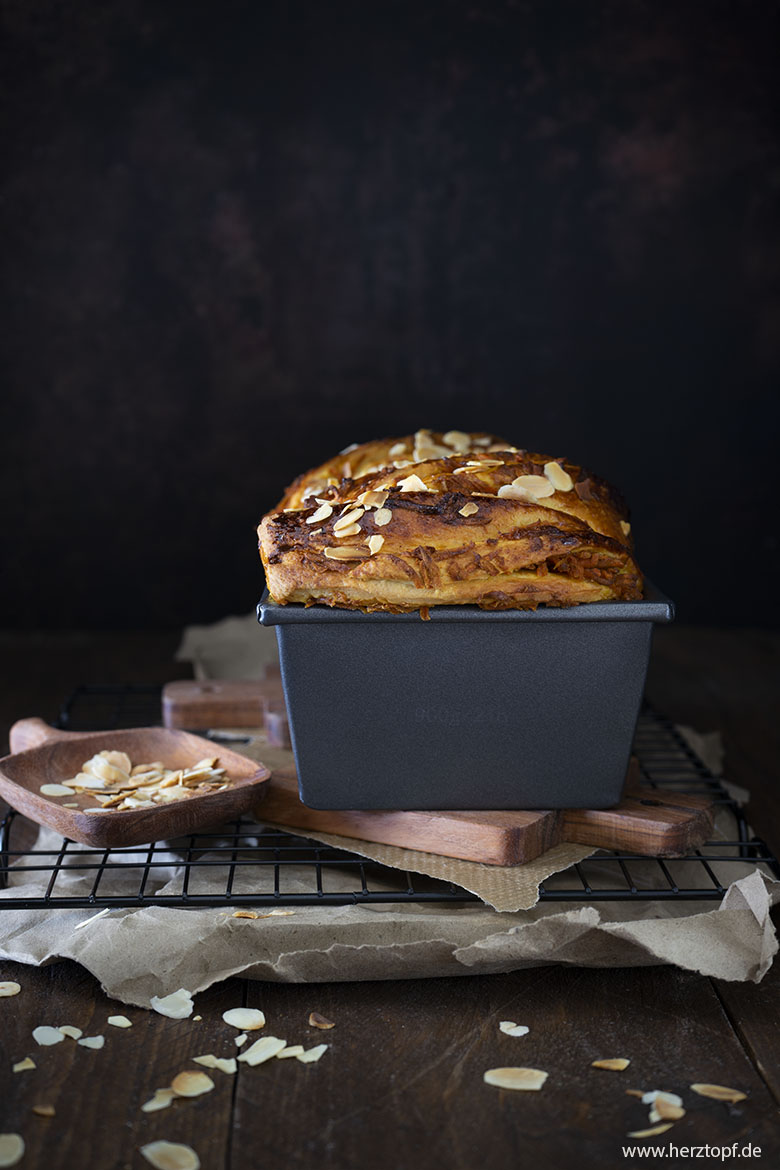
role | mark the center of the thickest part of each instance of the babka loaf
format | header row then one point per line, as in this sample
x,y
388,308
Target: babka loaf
x,y
448,519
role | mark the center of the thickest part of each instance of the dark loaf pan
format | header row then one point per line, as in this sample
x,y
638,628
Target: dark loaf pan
x,y
474,709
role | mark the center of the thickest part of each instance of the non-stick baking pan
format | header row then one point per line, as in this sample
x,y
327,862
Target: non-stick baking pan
x,y
473,709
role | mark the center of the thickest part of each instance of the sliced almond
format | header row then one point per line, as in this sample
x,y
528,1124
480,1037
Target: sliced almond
x,y
239,1041
382,516
468,509
612,1063
100,767
95,1042
510,1028
375,542
625,527
11,1149
9,987
665,1111
44,1110
343,554
93,917
654,1095
318,1021
560,479
350,530
538,485
515,1078
719,1092
413,483
84,780
372,499
458,440
120,1022
654,1132
72,1031
291,1050
348,519
24,1065
46,1036
225,1064
120,760
55,790
177,1006
244,914
161,1100
191,1083
510,491
397,449
170,1156
263,1049
634,1093
245,1019
311,1054
323,512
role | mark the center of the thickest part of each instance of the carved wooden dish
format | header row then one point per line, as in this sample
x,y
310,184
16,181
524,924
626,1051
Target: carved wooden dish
x,y
44,755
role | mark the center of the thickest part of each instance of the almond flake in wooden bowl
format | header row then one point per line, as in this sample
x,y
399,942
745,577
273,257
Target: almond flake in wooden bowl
x,y
44,756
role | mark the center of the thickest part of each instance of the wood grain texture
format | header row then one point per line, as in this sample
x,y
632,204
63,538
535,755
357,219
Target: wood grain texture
x,y
641,823
197,704
57,756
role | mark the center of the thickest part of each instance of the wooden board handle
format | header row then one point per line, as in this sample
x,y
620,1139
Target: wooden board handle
x,y
33,732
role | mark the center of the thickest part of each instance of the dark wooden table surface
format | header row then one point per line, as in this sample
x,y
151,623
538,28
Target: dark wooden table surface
x,y
401,1086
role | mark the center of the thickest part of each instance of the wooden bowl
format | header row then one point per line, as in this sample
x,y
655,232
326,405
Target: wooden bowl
x,y
44,755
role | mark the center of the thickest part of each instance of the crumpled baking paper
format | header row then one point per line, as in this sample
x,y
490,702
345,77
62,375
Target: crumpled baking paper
x,y
138,953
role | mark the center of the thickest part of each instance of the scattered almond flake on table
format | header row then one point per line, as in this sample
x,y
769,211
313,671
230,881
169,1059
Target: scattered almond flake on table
x,y
177,1006
161,1100
8,987
225,1064
100,913
23,1065
654,1132
70,1030
262,1050
291,1050
55,790
170,1156
44,1110
510,1028
191,1083
635,1093
515,1078
239,1040
11,1149
95,1042
318,1021
653,1095
719,1092
611,1063
311,1054
120,1022
245,1019
196,1019
664,1110
46,1036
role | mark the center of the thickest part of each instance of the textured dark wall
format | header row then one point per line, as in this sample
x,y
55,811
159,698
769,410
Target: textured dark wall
x,y
240,237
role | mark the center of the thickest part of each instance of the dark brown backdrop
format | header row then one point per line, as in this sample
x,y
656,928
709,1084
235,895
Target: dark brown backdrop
x,y
240,237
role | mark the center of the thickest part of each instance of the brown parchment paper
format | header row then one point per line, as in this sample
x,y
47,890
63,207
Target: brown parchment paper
x,y
152,951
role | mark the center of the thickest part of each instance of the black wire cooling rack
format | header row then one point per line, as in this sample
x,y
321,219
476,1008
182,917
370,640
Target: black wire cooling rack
x,y
245,864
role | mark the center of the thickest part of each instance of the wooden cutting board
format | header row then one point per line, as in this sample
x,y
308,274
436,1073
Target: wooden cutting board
x,y
647,820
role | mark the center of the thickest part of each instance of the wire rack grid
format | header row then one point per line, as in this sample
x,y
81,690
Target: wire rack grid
x,y
245,864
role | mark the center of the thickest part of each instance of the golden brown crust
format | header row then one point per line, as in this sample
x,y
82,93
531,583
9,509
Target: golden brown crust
x,y
448,519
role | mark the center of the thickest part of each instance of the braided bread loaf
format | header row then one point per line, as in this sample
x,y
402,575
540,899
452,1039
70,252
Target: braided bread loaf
x,y
448,519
